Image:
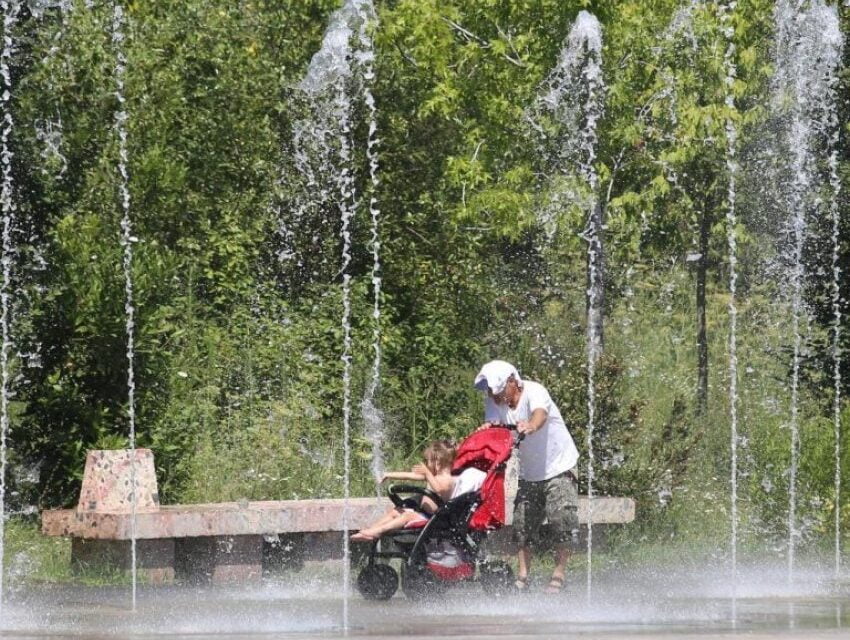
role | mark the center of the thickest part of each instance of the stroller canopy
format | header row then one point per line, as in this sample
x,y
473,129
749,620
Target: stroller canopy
x,y
484,450
487,450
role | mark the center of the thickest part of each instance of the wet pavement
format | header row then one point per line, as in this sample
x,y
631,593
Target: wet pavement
x,y
668,604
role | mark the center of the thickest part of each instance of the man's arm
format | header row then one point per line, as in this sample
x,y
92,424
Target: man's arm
x,y
537,420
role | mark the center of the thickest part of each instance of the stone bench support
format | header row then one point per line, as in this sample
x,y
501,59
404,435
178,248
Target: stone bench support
x,y
154,558
220,559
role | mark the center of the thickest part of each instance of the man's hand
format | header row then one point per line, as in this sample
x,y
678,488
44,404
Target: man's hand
x,y
538,419
485,425
524,426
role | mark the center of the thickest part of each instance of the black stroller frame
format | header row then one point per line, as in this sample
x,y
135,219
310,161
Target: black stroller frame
x,y
377,580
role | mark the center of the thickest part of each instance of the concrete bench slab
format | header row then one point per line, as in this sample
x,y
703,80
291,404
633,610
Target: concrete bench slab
x,y
219,542
260,518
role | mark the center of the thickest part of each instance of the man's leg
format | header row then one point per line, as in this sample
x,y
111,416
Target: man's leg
x,y
528,517
523,563
562,556
562,514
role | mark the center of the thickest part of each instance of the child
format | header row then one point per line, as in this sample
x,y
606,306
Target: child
x,y
436,472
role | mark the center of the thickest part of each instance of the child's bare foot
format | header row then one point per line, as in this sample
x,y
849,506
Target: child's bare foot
x,y
363,536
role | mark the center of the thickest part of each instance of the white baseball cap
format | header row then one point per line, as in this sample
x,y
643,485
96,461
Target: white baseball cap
x,y
494,376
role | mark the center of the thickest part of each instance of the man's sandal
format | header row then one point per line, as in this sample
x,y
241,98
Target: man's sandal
x,y
521,583
556,584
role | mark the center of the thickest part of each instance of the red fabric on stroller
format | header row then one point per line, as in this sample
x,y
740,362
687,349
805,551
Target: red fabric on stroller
x,y
487,450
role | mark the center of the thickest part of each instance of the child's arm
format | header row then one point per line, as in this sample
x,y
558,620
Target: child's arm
x,y
441,484
426,474
402,475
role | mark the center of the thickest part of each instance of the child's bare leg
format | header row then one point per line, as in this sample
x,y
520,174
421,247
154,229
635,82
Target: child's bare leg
x,y
377,530
388,516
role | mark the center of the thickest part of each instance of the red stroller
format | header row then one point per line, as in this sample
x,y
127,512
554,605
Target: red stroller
x,y
447,548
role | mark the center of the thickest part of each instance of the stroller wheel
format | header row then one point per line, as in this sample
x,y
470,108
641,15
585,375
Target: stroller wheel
x,y
496,578
418,583
377,582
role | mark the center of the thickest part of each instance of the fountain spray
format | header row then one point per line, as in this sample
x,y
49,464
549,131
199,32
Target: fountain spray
x,y
127,240
373,419
808,53
346,198
836,342
11,10
325,156
572,95
835,216
585,42
731,224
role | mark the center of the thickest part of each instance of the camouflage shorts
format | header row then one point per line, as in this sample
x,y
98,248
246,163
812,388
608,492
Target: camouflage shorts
x,y
554,501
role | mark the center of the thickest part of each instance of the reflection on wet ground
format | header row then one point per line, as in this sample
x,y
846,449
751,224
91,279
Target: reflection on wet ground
x,y
637,604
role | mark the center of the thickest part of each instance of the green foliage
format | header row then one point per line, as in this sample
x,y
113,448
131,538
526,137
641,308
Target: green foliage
x,y
676,463
238,356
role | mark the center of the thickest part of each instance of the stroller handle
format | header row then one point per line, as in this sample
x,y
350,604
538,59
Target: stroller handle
x,y
394,491
518,437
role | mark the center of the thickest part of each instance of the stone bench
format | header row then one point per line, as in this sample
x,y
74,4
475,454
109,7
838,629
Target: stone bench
x,y
220,542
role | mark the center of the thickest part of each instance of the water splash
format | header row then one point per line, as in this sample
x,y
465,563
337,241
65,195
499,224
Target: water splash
x,y
49,133
11,10
836,358
127,240
570,97
314,158
680,29
49,130
588,29
808,52
39,7
731,229
681,25
341,64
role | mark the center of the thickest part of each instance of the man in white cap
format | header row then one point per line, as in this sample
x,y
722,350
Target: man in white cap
x,y
547,462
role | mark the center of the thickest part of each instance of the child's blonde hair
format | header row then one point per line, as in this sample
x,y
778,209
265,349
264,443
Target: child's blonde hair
x,y
439,454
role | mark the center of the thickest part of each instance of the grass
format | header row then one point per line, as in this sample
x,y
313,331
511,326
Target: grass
x,y
31,558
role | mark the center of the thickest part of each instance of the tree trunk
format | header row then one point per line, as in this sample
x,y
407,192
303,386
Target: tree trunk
x,y
702,333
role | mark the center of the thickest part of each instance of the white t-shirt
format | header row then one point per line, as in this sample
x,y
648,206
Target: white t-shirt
x,y
469,479
548,451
